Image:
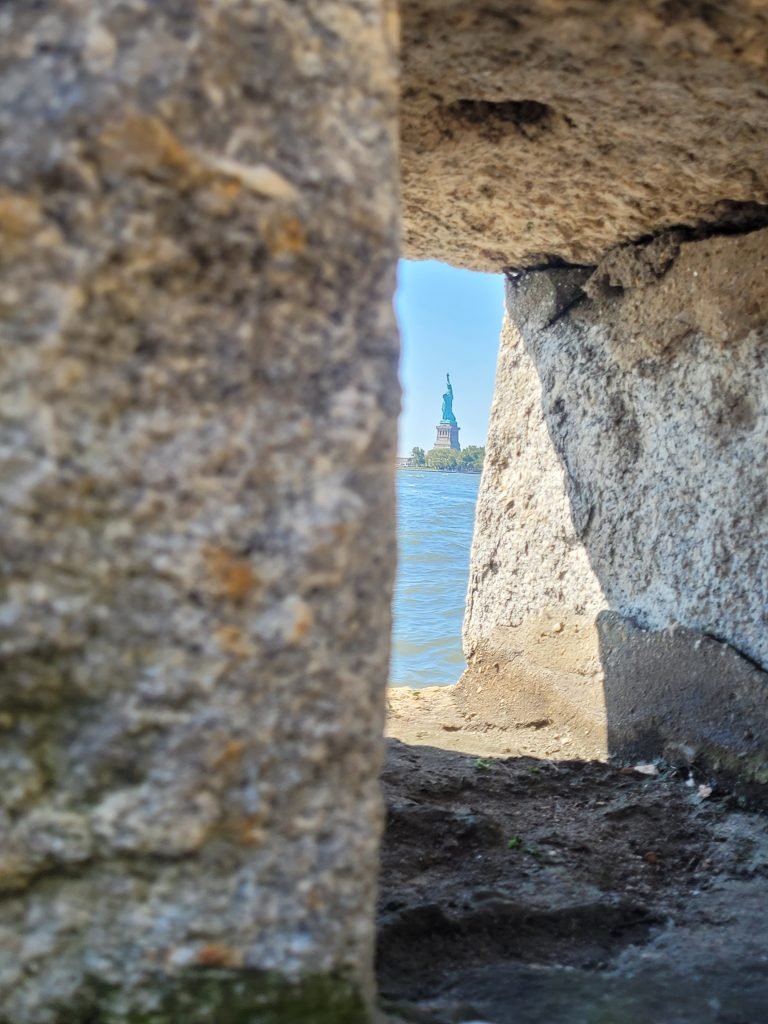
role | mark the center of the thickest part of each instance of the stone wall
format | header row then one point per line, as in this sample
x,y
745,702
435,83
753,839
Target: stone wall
x,y
199,393
536,130
626,457
626,496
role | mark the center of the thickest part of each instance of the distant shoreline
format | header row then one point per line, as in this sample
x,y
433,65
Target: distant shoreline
x,y
434,469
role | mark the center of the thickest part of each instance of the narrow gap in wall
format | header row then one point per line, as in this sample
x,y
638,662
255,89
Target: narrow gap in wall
x,y
450,321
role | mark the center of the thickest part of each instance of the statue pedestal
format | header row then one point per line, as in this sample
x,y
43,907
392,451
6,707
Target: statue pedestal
x,y
447,436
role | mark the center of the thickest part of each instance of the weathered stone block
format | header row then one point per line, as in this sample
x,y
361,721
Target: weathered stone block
x,y
543,131
198,229
683,693
626,471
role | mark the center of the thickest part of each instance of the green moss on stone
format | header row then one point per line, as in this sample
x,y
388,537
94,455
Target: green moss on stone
x,y
226,997
616,1013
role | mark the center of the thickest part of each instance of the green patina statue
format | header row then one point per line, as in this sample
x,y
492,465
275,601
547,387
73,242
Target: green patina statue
x,y
448,416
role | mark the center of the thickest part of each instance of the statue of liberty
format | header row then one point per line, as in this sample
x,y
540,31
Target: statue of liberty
x,y
448,416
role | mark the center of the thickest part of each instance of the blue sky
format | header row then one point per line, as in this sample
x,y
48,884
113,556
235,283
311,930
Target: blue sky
x,y
450,321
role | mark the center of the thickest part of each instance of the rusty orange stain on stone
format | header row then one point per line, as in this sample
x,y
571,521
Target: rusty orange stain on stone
x,y
143,143
221,196
20,216
229,187
302,623
232,751
215,955
232,640
248,831
233,576
285,235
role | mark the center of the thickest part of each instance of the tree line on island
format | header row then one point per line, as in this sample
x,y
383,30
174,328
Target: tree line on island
x,y
470,460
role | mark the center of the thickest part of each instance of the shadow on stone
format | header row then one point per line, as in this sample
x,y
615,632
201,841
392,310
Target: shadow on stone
x,y
683,693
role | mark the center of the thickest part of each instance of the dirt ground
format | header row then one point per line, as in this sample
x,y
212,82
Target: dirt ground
x,y
521,889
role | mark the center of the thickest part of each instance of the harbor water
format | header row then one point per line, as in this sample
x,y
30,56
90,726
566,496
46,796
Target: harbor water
x,y
435,519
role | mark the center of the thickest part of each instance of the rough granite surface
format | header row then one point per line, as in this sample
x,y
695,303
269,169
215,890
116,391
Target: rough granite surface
x,y
198,393
526,554
536,129
627,469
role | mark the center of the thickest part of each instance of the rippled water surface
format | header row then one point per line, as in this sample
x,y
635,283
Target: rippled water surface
x,y
435,517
